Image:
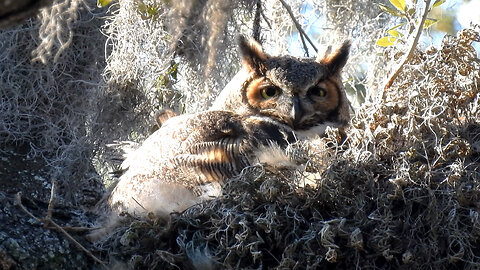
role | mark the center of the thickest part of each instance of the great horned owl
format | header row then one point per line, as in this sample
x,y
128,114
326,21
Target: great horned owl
x,y
187,160
304,93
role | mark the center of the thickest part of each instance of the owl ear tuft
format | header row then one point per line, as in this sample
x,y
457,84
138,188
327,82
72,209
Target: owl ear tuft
x,y
163,115
252,55
337,59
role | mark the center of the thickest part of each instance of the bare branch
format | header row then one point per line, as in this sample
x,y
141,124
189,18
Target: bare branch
x,y
409,55
299,28
266,19
256,21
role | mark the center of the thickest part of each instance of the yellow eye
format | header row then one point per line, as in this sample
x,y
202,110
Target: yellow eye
x,y
317,91
270,92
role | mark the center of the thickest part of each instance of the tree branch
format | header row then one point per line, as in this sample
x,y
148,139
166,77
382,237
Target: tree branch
x,y
303,35
256,21
409,55
266,19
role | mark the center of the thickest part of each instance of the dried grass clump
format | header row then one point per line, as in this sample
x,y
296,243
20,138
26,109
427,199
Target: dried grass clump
x,y
404,193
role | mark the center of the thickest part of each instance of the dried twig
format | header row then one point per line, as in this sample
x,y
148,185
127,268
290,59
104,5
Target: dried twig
x,y
139,204
48,221
18,201
409,55
51,203
80,229
56,226
256,21
266,19
303,35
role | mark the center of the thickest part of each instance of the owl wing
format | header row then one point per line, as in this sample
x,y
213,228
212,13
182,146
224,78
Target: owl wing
x,y
214,161
230,147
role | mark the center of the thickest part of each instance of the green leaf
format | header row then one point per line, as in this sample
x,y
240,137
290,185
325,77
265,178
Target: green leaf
x,y
438,3
429,22
386,41
169,77
397,26
103,3
411,12
173,71
399,4
390,10
395,33
152,11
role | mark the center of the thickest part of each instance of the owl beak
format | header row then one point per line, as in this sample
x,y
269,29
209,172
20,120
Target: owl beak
x,y
297,111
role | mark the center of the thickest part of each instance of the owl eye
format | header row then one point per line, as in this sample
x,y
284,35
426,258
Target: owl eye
x,y
317,91
270,92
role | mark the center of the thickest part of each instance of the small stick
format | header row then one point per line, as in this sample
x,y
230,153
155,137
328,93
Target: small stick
x,y
51,201
299,27
88,252
265,19
410,52
80,229
18,201
47,221
139,204
304,45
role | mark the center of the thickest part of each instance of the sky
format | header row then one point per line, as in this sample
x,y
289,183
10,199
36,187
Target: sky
x,y
467,12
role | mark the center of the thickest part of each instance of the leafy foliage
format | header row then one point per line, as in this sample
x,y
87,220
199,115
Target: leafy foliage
x,y
401,10
399,4
387,41
148,11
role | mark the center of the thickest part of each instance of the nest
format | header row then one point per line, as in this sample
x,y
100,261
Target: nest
x,y
401,192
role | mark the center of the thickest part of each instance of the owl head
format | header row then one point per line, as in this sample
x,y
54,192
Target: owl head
x,y
304,93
